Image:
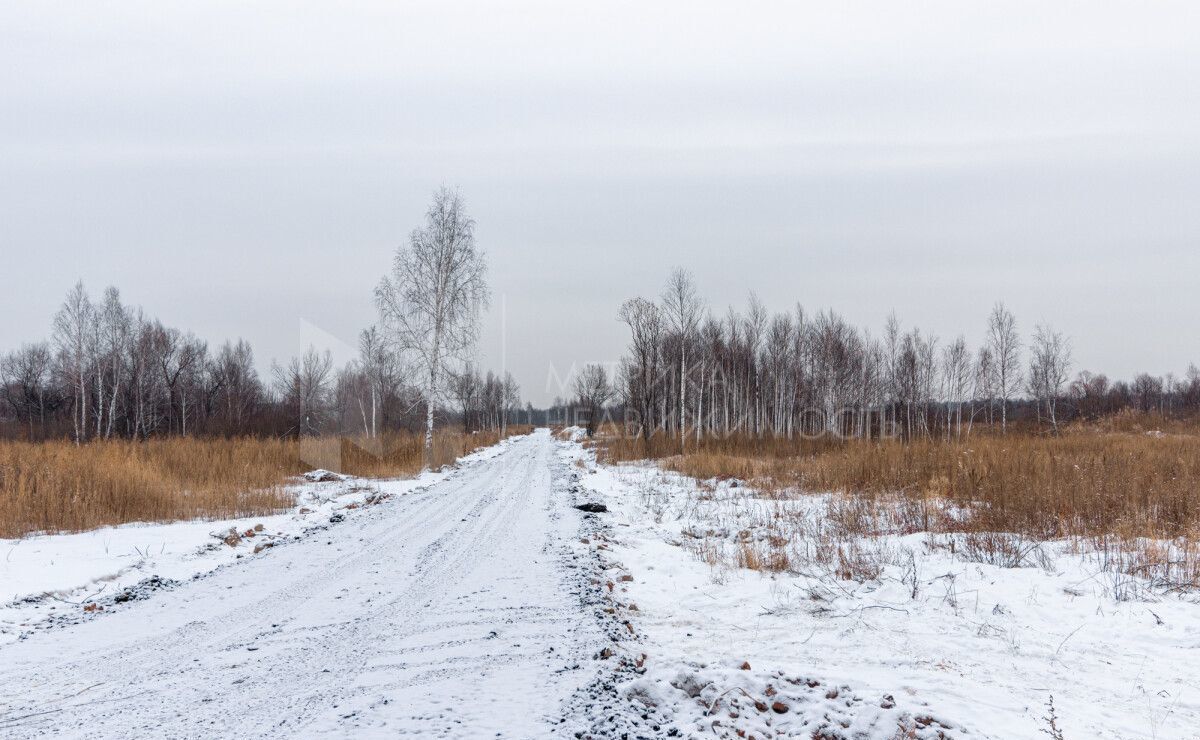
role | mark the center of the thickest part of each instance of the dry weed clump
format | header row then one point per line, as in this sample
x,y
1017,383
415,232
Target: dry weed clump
x,y
60,487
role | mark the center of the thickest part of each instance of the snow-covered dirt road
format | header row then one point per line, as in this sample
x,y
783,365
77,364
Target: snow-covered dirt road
x,y
454,611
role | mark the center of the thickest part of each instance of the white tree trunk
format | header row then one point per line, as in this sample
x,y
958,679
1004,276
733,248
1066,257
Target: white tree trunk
x,y
682,396
430,394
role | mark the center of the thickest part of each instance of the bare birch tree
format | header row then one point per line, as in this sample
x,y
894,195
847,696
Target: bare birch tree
x,y
72,328
1005,345
1049,368
683,310
382,372
985,381
113,325
956,377
430,303
510,398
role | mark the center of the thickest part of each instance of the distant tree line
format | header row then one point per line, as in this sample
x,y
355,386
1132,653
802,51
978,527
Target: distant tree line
x,y
109,370
486,402
690,373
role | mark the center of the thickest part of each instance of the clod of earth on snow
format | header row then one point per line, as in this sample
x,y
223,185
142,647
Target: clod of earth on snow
x,y
723,703
323,476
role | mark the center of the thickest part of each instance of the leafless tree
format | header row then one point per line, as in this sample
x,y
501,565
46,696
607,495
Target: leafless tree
x,y
25,382
1005,345
1049,367
429,305
72,331
467,387
383,373
956,376
1149,391
593,392
1191,387
239,388
511,394
112,338
303,386
1090,393
641,370
985,381
682,308
180,359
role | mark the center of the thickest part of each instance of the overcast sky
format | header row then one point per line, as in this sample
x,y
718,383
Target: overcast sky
x,y
247,169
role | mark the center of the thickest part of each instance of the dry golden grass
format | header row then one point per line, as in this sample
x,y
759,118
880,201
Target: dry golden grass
x,y
1124,492
1088,482
58,487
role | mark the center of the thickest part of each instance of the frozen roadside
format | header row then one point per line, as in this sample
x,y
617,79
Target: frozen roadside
x,y
59,579
935,645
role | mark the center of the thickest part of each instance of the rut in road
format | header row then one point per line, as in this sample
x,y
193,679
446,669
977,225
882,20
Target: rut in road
x,y
449,612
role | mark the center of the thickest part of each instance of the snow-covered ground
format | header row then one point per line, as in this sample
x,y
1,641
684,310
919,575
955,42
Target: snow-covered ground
x,y
448,610
938,645
480,601
52,577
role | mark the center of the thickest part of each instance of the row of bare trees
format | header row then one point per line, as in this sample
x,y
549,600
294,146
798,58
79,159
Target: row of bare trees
x,y
111,371
690,373
485,401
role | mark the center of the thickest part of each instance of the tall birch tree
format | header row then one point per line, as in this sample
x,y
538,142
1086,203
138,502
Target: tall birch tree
x,y
429,305
72,332
683,311
1005,345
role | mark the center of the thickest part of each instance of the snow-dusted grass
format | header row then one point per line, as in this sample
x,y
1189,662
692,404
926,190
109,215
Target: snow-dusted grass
x,y
1113,491
899,634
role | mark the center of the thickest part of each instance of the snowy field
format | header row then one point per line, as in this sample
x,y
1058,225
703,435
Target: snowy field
x,y
937,645
481,602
